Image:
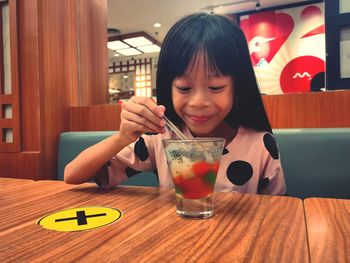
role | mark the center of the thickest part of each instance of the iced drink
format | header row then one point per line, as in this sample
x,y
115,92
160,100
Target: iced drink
x,y
194,165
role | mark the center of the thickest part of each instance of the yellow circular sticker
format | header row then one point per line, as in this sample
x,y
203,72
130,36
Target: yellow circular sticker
x,y
81,218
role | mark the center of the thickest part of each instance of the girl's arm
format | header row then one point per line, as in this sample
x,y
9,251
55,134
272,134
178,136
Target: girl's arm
x,y
138,116
85,166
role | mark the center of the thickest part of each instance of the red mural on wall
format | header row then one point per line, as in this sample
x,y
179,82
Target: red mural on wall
x,y
266,33
296,76
280,44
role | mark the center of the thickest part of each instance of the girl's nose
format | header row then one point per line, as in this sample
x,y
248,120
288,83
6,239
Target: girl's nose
x,y
199,99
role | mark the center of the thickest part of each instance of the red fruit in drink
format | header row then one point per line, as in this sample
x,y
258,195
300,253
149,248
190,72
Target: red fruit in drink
x,y
201,184
200,168
195,188
215,167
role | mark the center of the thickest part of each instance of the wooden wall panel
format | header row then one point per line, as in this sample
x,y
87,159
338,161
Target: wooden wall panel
x,y
58,58
304,110
29,74
50,52
20,165
12,99
93,77
95,118
309,110
25,164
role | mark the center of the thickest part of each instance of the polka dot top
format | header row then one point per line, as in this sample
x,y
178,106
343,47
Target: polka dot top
x,y
250,163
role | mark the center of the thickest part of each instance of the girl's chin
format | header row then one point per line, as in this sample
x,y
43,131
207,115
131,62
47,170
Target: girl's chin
x,y
200,132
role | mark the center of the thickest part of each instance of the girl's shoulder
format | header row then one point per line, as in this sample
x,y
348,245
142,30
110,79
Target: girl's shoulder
x,y
251,136
245,131
257,141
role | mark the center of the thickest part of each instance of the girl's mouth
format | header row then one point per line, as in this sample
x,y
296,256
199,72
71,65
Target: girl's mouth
x,y
199,119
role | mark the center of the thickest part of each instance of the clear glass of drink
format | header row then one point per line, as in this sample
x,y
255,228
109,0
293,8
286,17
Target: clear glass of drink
x,y
194,164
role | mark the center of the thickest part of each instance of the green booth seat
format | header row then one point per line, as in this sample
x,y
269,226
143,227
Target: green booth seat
x,y
316,161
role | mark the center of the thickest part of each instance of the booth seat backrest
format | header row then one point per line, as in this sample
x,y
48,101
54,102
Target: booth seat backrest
x,y
316,162
72,143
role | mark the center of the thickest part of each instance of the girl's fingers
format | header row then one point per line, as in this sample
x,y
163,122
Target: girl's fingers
x,y
144,114
140,123
134,129
146,109
149,104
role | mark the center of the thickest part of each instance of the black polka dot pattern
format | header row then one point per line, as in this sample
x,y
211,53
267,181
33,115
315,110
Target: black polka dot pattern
x,y
239,172
131,172
271,145
140,149
151,133
263,183
225,151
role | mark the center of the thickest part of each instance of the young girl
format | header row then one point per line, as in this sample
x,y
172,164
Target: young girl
x,y
207,87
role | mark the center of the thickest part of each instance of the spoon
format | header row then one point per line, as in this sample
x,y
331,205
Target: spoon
x,y
174,129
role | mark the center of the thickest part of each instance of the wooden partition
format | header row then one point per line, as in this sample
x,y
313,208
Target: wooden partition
x,y
95,118
304,110
62,61
309,110
10,139
93,53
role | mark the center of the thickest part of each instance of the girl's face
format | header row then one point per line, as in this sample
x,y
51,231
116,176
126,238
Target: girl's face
x,y
203,100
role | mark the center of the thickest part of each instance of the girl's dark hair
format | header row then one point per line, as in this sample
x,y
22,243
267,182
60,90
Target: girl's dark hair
x,y
226,50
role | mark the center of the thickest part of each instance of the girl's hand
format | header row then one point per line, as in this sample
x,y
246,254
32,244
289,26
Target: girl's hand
x,y
140,115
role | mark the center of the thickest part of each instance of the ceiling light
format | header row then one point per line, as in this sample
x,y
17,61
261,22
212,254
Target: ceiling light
x,y
133,44
156,25
149,48
211,8
117,45
137,41
129,51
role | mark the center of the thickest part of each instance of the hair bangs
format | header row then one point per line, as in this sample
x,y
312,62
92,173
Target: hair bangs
x,y
201,57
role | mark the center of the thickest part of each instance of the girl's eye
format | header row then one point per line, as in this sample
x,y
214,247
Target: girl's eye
x,y
183,89
216,89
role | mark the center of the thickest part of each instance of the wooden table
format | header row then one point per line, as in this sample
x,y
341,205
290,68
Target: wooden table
x,y
245,228
328,226
8,182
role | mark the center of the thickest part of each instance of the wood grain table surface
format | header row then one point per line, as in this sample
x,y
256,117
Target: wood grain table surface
x,y
328,226
8,182
245,228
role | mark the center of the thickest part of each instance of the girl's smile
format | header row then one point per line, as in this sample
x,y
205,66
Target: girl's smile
x,y
199,119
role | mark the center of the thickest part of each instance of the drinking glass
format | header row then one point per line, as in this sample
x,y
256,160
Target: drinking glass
x,y
194,164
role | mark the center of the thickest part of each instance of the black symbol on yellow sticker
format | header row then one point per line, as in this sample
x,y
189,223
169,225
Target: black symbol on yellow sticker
x,y
82,218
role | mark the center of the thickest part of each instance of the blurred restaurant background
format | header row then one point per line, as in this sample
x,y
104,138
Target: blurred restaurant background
x,y
68,65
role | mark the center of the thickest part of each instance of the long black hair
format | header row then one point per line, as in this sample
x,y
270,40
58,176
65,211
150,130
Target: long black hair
x,y
226,50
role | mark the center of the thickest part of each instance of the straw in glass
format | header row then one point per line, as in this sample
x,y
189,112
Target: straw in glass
x,y
174,129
